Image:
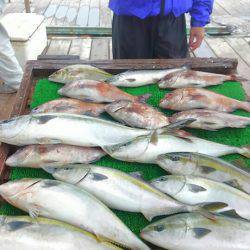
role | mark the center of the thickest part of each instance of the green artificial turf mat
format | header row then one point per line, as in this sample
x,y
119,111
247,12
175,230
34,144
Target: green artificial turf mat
x,y
46,91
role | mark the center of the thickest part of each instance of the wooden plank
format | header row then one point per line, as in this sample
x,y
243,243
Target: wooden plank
x,y
60,14
83,16
81,47
59,47
71,15
204,51
51,11
41,6
94,17
6,104
99,49
110,49
27,6
233,7
219,10
105,14
241,47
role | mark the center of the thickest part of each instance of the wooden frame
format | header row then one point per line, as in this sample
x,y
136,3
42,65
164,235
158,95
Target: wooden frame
x,y
38,69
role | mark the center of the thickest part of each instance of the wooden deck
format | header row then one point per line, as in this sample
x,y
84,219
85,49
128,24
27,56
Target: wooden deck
x,y
95,13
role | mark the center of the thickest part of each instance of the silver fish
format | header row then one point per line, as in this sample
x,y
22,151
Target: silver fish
x,y
192,231
69,204
211,119
60,128
192,78
38,156
78,72
98,92
23,232
194,190
71,106
141,150
136,114
136,78
121,191
206,166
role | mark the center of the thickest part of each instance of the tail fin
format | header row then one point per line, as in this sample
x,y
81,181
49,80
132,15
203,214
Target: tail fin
x,y
245,106
143,98
245,151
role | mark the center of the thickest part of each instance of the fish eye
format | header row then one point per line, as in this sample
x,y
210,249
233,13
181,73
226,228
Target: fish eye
x,y
163,178
175,158
159,228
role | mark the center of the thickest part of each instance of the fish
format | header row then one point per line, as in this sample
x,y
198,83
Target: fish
x,y
98,92
143,151
192,78
137,78
136,114
191,231
24,232
197,98
71,106
211,119
201,165
78,72
195,190
67,203
70,129
121,191
58,155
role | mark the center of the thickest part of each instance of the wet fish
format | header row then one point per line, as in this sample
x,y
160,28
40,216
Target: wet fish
x,y
195,190
141,150
211,120
206,166
69,204
38,156
78,72
136,114
99,92
60,128
190,231
192,78
23,232
194,98
121,191
136,78
71,106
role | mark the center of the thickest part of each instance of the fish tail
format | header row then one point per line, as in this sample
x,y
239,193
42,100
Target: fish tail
x,y
245,106
143,98
245,151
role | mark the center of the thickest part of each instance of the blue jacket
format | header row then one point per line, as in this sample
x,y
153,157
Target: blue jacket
x,y
199,10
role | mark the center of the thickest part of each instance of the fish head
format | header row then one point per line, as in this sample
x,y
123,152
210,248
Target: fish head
x,y
167,232
72,174
65,75
22,155
127,151
13,127
171,99
117,105
169,184
123,78
176,163
19,192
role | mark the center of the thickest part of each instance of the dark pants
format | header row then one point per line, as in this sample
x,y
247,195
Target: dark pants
x,y
153,37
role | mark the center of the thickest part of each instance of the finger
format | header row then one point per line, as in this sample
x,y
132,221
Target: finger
x,y
197,43
191,40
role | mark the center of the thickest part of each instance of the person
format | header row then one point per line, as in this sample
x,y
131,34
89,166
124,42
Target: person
x,y
10,71
145,29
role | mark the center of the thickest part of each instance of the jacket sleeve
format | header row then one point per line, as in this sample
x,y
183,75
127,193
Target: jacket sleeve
x,y
200,12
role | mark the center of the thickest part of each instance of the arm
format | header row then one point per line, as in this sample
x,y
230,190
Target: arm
x,y
200,16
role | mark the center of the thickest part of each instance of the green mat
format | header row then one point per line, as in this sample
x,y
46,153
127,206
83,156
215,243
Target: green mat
x,y
46,91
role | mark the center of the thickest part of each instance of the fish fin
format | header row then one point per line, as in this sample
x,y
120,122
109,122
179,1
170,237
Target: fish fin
x,y
197,97
213,206
237,78
233,183
16,225
97,177
175,126
148,215
195,188
245,151
137,175
48,141
206,169
50,170
154,138
240,163
131,79
231,213
33,212
143,98
200,232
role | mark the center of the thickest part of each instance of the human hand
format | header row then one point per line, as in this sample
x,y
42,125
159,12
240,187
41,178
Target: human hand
x,y
196,37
